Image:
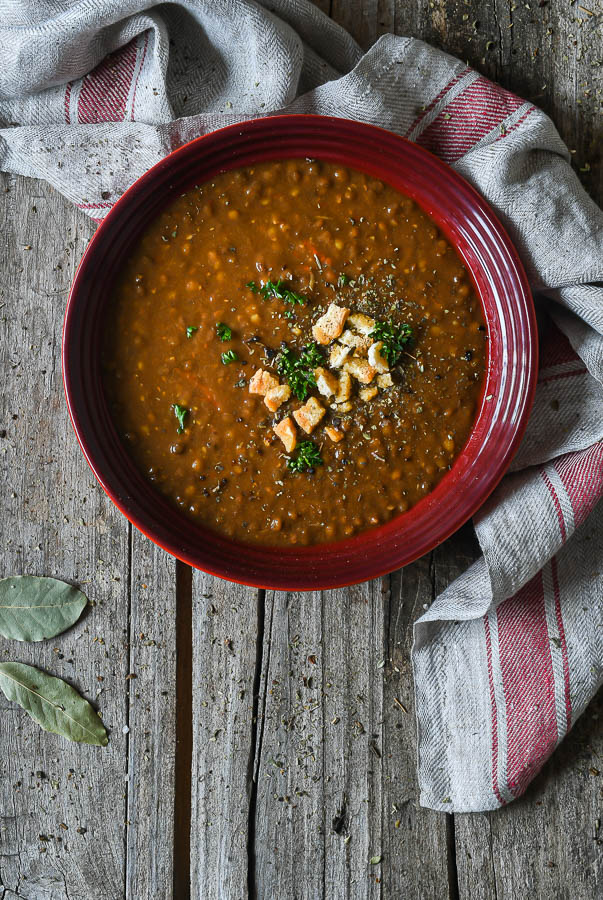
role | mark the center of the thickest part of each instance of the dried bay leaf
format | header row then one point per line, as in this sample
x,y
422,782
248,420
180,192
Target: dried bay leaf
x,y
52,703
33,608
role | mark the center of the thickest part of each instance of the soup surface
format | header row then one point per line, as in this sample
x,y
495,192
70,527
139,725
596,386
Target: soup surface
x,y
294,354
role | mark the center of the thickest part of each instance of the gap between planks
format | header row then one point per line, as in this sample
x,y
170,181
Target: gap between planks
x,y
184,732
255,750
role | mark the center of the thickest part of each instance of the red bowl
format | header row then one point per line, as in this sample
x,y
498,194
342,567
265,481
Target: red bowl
x,y
488,254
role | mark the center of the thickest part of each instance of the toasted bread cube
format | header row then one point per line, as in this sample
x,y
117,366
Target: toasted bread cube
x,y
326,382
360,322
285,430
330,325
334,433
344,388
338,355
360,369
385,381
377,361
261,382
276,396
358,342
309,415
368,393
342,407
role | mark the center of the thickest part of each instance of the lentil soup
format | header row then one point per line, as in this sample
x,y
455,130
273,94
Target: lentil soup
x,y
294,353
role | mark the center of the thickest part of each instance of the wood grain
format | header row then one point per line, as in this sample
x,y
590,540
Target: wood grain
x,y
151,720
69,814
227,621
63,806
294,711
336,776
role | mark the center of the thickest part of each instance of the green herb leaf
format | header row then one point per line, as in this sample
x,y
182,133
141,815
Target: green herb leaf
x,y
311,356
394,338
307,458
299,371
279,291
223,331
52,703
229,356
33,609
181,412
343,280
191,330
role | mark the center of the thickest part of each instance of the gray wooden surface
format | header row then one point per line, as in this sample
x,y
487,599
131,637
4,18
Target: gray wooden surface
x,y
257,745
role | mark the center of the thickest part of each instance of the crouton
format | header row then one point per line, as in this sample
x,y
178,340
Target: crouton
x,y
261,382
376,360
385,381
276,396
330,325
285,430
326,382
368,393
344,388
358,342
333,433
363,324
338,355
342,408
309,415
360,369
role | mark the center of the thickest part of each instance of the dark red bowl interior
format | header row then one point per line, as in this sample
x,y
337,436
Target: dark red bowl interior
x,y
468,223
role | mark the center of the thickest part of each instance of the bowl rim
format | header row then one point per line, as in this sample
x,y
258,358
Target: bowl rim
x,y
281,581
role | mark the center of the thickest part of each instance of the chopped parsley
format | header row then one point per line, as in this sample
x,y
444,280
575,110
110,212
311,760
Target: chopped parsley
x,y
343,280
223,331
298,371
279,291
228,357
308,457
191,330
181,412
394,338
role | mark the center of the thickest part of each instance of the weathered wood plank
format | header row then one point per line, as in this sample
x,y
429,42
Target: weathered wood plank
x,y
56,521
549,53
152,722
226,620
366,20
63,805
336,782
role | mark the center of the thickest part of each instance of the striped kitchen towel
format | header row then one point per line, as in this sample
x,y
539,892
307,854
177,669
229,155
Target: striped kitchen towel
x,y
93,93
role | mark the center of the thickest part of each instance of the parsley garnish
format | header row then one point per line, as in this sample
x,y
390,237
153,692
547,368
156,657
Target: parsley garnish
x,y
191,330
394,338
311,357
181,412
343,280
308,457
228,357
279,291
223,331
299,371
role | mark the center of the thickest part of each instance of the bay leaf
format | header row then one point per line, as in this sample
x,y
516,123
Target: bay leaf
x,y
52,703
33,608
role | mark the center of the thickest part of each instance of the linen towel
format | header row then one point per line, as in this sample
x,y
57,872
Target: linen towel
x,y
92,94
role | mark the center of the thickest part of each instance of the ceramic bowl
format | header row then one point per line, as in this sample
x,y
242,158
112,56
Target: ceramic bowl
x,y
468,223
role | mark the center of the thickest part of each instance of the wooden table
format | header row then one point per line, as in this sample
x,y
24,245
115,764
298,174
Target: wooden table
x,y
262,744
